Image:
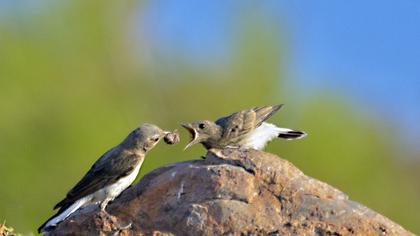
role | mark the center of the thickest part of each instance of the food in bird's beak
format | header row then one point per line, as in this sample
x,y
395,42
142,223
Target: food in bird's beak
x,y
171,137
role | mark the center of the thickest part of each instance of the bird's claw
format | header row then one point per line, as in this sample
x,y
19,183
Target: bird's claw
x,y
109,216
128,226
120,228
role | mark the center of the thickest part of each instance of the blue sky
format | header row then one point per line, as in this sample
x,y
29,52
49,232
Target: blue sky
x,y
366,50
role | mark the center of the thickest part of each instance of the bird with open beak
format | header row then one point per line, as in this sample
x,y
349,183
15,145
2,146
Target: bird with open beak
x,y
111,174
243,129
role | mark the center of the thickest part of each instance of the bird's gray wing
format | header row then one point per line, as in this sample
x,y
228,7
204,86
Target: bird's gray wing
x,y
107,170
238,124
264,112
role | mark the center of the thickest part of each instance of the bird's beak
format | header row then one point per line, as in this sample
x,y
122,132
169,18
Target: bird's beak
x,y
193,135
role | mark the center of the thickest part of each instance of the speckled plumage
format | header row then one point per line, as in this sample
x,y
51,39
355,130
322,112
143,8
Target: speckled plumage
x,y
240,130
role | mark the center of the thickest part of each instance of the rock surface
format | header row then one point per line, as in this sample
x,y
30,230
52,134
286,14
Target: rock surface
x,y
231,192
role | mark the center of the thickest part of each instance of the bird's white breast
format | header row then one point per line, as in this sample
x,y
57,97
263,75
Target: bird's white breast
x,y
113,190
259,137
109,192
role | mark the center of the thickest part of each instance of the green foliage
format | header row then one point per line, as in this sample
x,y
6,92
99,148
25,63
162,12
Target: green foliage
x,y
7,231
73,84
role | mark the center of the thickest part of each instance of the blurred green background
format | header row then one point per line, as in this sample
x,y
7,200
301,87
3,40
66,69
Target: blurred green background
x,y
76,77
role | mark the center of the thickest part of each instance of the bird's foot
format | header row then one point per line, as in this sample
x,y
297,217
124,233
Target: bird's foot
x,y
119,228
108,216
124,227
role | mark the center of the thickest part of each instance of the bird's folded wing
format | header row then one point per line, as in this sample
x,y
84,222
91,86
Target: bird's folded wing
x,y
107,170
264,112
238,124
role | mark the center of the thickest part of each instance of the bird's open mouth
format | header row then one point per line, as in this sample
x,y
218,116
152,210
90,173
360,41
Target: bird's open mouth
x,y
191,131
193,135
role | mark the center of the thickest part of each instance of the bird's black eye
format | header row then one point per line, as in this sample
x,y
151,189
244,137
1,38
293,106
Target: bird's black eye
x,y
156,139
201,126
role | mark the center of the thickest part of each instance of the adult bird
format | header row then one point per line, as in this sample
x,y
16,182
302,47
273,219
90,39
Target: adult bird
x,y
243,129
111,174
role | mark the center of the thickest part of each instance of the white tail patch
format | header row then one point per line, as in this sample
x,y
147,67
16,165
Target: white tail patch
x,y
79,203
259,137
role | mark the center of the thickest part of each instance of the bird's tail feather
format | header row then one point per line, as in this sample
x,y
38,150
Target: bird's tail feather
x,y
61,215
290,134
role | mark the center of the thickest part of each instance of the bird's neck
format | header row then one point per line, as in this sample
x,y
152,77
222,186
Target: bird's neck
x,y
137,151
217,132
214,138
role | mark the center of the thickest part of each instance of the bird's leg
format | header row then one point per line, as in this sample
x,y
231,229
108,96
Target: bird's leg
x,y
118,226
123,227
103,205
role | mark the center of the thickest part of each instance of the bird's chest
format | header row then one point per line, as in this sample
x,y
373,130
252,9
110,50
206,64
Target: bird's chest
x,y
221,142
116,188
231,138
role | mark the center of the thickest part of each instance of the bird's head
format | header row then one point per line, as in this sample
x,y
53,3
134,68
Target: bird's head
x,y
201,131
144,137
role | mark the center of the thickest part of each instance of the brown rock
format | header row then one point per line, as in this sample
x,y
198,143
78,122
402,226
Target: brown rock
x,y
231,192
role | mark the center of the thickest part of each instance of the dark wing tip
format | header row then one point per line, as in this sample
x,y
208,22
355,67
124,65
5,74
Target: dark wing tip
x,y
43,229
58,205
64,203
277,107
265,112
272,109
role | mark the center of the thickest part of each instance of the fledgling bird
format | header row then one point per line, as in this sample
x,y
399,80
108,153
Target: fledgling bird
x,y
243,129
111,174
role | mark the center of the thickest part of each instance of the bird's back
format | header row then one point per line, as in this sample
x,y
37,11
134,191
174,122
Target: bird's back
x,y
239,124
111,166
